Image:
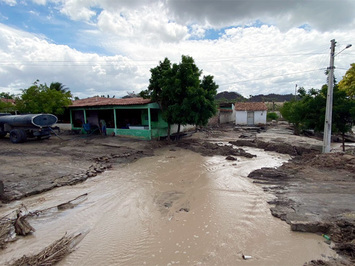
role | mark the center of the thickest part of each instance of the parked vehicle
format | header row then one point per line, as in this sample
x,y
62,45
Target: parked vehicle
x,y
21,127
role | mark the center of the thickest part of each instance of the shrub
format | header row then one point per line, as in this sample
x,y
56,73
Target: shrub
x,y
272,116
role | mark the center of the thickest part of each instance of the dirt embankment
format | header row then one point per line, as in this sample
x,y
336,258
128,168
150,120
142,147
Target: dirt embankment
x,y
37,166
315,193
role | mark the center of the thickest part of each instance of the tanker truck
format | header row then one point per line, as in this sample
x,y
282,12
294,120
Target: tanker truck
x,y
21,127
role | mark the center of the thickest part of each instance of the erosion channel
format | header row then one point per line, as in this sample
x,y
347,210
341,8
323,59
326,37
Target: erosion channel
x,y
176,207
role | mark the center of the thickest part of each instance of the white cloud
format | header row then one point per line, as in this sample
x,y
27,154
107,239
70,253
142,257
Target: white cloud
x,y
322,15
39,2
250,59
25,58
141,24
9,2
78,10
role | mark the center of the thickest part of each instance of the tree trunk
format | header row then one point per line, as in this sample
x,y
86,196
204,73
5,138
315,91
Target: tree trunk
x,y
178,132
343,140
169,132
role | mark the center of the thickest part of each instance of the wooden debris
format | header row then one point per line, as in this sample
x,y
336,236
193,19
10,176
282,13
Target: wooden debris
x,y
72,203
5,232
51,254
19,225
22,227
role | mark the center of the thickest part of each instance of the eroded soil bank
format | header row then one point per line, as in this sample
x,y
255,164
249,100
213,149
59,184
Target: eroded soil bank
x,y
36,166
315,193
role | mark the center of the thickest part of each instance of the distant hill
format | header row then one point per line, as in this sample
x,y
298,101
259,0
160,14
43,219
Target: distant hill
x,y
231,97
271,98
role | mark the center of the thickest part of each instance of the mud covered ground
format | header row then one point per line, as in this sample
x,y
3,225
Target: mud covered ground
x,y
314,192
37,166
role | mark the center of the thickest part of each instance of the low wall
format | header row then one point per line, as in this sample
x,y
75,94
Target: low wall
x,y
63,126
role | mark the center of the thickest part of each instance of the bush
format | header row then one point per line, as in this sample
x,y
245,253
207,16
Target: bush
x,y
272,116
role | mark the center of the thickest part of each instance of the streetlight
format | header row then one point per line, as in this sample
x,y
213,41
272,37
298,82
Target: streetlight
x,y
328,112
348,46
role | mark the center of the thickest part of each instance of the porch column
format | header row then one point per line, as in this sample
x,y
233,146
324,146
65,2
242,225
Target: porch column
x,y
71,118
149,123
84,116
114,119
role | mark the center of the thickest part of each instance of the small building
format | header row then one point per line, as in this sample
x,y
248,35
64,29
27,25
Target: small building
x,y
226,113
250,113
136,117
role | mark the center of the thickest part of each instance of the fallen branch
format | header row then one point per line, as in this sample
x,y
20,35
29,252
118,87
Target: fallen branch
x,y
66,205
51,254
9,223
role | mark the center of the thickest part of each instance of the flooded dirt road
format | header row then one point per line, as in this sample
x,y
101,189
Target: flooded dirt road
x,y
177,207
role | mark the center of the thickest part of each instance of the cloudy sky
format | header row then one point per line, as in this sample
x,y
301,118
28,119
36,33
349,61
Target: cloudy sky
x,y
97,47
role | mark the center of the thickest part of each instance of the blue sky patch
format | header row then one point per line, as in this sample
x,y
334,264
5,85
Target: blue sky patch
x,y
49,22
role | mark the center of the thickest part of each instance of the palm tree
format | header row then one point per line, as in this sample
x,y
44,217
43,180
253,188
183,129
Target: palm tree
x,y
58,87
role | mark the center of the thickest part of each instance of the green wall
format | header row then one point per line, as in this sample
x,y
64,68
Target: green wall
x,y
158,127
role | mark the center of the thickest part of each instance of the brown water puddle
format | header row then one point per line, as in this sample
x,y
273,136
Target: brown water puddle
x,y
174,208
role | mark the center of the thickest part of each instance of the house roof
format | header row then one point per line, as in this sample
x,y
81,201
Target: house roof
x,y
12,101
102,101
250,106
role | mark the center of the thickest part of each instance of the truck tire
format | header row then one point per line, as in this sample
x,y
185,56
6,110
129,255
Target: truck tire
x,y
24,135
16,136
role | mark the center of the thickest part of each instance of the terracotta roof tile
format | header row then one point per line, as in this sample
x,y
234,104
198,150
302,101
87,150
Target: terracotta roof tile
x,y
250,106
101,101
7,100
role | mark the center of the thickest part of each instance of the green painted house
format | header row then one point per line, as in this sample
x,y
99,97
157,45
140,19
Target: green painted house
x,y
136,117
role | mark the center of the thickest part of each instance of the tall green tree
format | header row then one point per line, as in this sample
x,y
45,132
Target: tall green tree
x,y
39,98
347,84
181,95
309,111
6,95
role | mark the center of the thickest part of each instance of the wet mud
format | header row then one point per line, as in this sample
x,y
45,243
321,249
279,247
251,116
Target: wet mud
x,y
177,207
158,213
37,166
315,194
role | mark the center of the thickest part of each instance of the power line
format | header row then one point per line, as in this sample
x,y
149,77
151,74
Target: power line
x,y
93,62
288,74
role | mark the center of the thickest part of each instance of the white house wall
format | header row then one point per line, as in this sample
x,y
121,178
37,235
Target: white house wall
x,y
240,117
174,128
260,117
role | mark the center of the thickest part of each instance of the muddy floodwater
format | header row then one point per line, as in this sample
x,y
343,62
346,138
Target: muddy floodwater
x,y
177,207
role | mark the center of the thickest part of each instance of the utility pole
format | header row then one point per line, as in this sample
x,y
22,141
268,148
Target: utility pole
x,y
295,92
329,107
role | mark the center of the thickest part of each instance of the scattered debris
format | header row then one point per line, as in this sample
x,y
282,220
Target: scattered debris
x,y
51,254
22,227
246,257
72,203
19,225
231,158
6,228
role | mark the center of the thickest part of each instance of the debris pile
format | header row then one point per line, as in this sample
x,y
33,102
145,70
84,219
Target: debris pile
x,y
11,227
51,254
